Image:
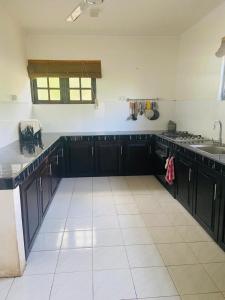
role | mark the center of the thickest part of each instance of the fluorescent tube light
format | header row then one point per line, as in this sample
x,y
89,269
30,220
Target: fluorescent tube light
x,y
81,8
75,14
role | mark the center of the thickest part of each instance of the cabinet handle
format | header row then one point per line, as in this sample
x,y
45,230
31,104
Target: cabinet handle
x,y
215,192
92,151
40,184
189,175
62,152
50,169
57,159
150,149
121,150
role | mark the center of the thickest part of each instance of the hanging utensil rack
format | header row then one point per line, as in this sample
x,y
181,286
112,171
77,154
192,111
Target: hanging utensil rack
x,y
148,99
142,100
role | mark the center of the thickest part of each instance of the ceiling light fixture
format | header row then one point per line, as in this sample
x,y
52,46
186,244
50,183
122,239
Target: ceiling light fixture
x,y
80,8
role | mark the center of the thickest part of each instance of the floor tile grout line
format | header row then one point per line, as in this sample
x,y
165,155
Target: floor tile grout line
x,y
111,269
71,196
7,295
135,291
202,264
153,243
166,269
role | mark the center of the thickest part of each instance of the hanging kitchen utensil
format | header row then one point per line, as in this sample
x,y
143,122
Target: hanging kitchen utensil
x,y
149,113
130,112
156,113
135,109
134,118
143,105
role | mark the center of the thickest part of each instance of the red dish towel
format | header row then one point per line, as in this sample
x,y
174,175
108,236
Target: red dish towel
x,y
170,174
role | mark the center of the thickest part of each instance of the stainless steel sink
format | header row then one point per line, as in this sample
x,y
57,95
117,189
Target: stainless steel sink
x,y
212,149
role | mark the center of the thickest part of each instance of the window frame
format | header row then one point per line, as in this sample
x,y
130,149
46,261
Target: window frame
x,y
64,91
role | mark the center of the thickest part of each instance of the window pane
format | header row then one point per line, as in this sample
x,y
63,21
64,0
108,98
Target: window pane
x,y
42,95
75,95
55,95
42,82
86,82
86,95
53,82
74,82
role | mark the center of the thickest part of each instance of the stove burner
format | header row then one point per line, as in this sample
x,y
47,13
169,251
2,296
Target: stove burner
x,y
184,136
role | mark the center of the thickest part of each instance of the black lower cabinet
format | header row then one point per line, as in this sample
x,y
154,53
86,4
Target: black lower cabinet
x,y
81,158
45,188
108,158
221,238
56,161
36,194
137,158
207,200
31,210
185,179
159,162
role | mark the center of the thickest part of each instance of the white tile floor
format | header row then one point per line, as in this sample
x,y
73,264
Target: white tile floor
x,y
119,238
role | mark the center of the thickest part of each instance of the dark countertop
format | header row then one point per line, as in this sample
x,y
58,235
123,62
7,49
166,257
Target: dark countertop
x,y
18,160
219,158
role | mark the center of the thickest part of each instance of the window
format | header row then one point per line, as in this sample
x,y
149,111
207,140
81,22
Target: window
x,y
71,90
63,81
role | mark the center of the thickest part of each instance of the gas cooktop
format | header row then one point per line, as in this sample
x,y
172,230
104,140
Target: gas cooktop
x,y
184,136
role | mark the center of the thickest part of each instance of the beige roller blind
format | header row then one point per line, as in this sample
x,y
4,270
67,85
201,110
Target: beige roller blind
x,y
221,50
64,68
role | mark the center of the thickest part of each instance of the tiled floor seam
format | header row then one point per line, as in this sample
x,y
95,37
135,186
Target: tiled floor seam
x,y
71,196
9,289
203,265
156,244
125,248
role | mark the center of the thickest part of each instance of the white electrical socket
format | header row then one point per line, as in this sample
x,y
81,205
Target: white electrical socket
x,y
14,97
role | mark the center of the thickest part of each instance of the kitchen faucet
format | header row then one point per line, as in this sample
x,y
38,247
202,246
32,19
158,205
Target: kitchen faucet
x,y
220,132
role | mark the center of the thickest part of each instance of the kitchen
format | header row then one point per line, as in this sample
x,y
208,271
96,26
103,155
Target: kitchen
x,y
86,208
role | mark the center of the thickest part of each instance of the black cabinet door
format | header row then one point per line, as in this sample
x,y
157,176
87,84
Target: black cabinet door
x,y
221,238
108,158
56,168
81,157
185,182
30,210
137,158
207,201
45,188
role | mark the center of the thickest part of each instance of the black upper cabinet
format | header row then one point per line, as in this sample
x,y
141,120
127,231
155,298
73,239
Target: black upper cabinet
x,y
137,158
207,200
185,176
30,210
108,156
81,156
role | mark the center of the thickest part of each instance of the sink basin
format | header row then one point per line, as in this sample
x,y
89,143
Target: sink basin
x,y
212,149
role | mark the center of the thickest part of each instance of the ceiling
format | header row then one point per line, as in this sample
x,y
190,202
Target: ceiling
x,y
117,17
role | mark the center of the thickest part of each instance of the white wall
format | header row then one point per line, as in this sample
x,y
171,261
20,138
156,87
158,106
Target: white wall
x,y
13,79
198,76
132,67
